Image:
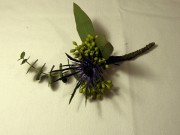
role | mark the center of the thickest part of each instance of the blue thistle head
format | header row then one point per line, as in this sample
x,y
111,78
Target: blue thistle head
x,y
87,67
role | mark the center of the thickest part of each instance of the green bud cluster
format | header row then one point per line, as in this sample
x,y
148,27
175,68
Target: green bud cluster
x,y
99,91
89,49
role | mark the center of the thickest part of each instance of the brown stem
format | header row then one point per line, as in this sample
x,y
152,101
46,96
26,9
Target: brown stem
x,y
130,56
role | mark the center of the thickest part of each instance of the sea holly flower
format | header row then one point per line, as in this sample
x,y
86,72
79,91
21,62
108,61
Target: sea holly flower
x,y
88,69
89,60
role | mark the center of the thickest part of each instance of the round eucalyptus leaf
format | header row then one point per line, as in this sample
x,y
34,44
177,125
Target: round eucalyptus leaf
x,y
22,55
25,60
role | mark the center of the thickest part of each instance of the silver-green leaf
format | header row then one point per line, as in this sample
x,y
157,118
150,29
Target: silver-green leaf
x,y
107,51
31,66
22,55
105,47
24,60
38,75
83,23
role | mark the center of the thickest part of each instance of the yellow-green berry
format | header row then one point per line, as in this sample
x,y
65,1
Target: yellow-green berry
x,y
87,51
103,60
102,90
97,53
93,91
86,42
95,58
109,81
76,53
98,85
80,57
74,43
91,54
84,90
81,90
87,39
88,35
90,47
77,48
106,66
109,86
93,43
98,96
83,43
81,51
102,85
96,48
72,50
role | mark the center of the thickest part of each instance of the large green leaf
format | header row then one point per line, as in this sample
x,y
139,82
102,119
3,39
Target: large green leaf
x,y
83,23
107,51
105,47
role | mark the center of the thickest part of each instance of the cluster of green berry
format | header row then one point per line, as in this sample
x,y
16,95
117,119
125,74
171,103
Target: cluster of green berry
x,y
89,49
99,91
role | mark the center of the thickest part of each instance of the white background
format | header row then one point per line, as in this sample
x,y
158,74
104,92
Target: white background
x,y
146,95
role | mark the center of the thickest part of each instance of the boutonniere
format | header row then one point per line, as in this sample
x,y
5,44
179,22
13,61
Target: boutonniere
x,y
87,62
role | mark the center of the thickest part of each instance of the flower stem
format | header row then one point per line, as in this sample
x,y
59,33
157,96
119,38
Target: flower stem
x,y
130,56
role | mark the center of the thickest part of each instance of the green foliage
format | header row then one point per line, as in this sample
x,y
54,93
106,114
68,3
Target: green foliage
x,y
23,61
31,66
85,27
22,55
50,77
83,23
96,49
38,75
105,47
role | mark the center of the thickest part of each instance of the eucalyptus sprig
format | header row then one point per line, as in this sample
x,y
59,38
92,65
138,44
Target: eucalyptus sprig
x,y
40,74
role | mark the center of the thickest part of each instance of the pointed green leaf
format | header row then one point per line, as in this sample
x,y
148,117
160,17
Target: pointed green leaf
x,y
32,66
107,51
101,41
25,60
83,23
105,47
40,72
55,74
50,79
60,68
22,55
